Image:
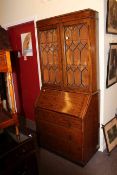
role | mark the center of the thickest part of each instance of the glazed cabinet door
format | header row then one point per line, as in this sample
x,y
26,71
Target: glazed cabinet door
x,y
76,49
50,56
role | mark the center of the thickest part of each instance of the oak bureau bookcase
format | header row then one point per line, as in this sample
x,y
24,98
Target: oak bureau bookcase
x,y
67,110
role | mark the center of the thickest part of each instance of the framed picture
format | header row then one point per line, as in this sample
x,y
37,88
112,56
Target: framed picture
x,y
110,134
26,41
111,17
112,65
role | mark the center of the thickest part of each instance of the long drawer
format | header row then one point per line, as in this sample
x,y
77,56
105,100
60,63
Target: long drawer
x,y
60,134
58,118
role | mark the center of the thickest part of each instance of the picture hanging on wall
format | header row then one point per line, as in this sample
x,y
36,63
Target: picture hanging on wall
x,y
111,16
26,42
110,134
112,65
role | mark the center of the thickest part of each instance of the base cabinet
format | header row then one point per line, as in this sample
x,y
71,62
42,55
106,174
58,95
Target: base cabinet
x,y
73,137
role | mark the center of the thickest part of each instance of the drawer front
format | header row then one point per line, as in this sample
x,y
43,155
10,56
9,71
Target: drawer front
x,y
59,139
55,144
54,138
76,137
45,128
58,118
75,145
60,133
75,152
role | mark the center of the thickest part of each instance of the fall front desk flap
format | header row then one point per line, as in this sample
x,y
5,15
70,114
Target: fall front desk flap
x,y
64,102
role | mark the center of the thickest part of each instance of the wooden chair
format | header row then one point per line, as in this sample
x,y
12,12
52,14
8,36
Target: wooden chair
x,y
8,118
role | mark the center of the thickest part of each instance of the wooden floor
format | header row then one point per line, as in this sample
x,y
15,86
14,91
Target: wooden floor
x,y
100,164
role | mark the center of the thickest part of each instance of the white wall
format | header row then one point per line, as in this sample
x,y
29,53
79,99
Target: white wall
x,y
13,12
110,94
110,97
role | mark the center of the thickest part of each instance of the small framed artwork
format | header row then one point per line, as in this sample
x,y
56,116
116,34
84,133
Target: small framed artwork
x,y
26,41
111,23
112,65
110,134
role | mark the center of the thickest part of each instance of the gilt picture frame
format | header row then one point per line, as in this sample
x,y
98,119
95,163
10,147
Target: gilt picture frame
x,y
111,23
112,65
110,134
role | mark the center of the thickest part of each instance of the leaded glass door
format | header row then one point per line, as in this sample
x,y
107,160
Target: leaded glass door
x,y
76,56
50,56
